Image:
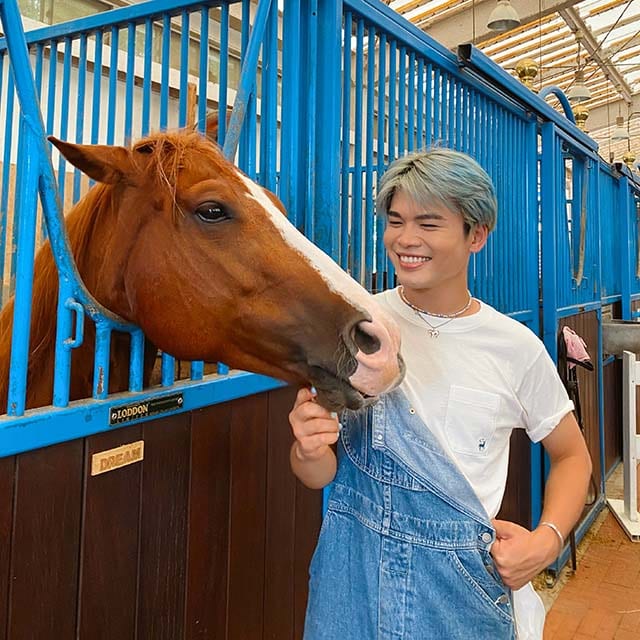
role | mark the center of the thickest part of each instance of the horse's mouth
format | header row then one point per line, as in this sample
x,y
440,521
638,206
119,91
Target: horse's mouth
x,y
336,394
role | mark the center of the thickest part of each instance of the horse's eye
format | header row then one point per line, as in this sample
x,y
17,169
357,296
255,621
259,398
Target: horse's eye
x,y
145,148
211,212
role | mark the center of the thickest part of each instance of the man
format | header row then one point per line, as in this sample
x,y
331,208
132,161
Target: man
x,y
410,547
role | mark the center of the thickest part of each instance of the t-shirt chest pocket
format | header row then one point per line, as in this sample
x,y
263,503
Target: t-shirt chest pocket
x,y
471,420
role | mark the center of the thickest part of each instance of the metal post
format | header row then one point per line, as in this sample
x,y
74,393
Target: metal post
x,y
624,200
327,155
626,510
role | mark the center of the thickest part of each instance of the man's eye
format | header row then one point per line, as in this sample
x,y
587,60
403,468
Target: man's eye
x,y
211,212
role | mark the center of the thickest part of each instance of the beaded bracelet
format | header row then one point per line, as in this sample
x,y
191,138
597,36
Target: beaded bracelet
x,y
555,529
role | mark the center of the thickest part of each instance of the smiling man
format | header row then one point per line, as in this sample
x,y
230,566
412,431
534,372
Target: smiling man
x,y
410,547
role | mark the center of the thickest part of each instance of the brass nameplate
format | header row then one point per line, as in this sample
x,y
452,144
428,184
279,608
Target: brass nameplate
x,y
145,409
115,458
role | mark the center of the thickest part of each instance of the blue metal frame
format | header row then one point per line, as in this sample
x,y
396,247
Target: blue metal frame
x,y
558,93
475,60
624,207
74,299
327,155
44,427
425,95
247,80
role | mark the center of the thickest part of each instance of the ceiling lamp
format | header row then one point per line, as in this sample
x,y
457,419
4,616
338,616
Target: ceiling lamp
x,y
503,17
620,132
579,92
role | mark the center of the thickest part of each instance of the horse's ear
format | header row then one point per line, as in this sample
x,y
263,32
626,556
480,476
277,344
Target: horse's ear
x,y
213,123
103,163
211,129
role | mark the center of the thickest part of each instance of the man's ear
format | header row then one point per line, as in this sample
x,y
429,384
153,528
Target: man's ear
x,y
479,235
103,163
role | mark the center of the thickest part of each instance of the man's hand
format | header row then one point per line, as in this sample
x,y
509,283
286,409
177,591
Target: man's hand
x,y
521,554
315,430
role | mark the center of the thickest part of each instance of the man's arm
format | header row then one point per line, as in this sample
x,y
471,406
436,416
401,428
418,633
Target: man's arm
x,y
315,429
520,554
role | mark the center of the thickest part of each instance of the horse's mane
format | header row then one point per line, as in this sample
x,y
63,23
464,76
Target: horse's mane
x,y
167,156
80,222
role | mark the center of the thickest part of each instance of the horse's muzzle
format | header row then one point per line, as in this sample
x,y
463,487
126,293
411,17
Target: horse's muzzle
x,y
375,345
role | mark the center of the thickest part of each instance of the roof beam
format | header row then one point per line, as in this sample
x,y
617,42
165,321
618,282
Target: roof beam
x,y
605,115
576,23
459,28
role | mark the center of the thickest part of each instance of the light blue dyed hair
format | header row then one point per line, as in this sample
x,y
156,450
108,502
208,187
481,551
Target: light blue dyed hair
x,y
452,178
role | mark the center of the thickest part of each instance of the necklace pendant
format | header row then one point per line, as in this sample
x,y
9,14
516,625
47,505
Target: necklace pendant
x,y
434,333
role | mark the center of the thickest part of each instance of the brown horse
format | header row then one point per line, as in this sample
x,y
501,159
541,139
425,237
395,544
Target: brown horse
x,y
174,238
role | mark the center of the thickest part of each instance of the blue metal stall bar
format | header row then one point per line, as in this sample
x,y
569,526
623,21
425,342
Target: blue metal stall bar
x,y
34,162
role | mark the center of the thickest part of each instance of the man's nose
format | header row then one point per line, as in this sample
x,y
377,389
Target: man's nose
x,y
408,237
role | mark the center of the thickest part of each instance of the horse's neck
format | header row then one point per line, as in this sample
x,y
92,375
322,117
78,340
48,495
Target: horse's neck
x,y
6,316
42,355
88,241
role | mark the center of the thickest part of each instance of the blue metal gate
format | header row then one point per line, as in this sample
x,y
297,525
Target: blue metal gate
x,y
325,95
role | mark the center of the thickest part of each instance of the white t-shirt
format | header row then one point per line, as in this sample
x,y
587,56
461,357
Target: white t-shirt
x,y
483,376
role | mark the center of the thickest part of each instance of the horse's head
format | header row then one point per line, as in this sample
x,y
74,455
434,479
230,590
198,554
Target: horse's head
x,y
205,262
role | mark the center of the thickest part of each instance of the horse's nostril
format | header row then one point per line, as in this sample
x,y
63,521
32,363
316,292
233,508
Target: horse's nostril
x,y
365,342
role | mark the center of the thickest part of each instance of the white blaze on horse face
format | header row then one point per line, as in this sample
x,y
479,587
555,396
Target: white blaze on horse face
x,y
377,372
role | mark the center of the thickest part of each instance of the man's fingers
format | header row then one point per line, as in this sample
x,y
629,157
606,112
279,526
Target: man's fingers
x,y
312,443
304,395
313,426
306,428
307,411
506,529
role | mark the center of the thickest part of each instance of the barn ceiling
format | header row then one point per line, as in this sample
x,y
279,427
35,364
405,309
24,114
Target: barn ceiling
x,y
608,41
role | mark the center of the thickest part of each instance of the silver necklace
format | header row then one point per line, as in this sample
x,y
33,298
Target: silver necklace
x,y
434,330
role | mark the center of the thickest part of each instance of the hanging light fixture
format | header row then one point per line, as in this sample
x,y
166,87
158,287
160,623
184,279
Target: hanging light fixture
x,y
620,132
503,17
579,92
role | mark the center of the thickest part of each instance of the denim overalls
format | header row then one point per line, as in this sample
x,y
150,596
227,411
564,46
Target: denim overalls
x,y
403,551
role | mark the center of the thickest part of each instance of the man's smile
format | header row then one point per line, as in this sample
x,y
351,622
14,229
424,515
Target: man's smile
x,y
411,261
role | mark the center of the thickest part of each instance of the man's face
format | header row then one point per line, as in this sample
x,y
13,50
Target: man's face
x,y
428,245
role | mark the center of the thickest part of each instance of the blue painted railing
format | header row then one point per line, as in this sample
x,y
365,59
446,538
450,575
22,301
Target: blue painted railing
x,y
72,59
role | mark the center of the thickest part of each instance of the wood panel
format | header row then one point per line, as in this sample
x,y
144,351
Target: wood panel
x,y
516,504
7,474
208,570
163,551
586,326
280,526
612,381
109,570
209,538
247,517
46,542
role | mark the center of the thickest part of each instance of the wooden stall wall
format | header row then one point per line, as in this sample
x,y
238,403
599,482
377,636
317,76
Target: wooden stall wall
x,y
586,326
612,394
209,537
612,382
516,504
